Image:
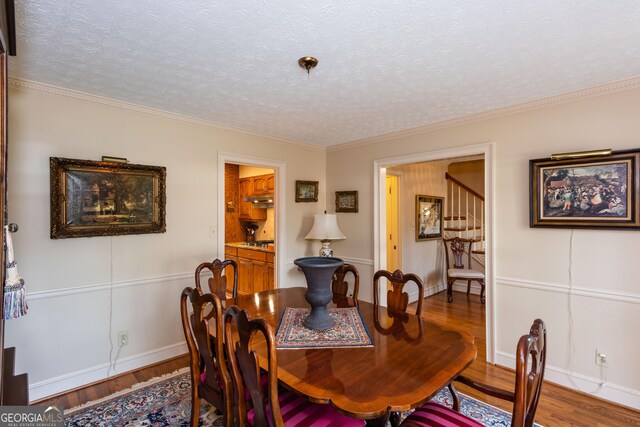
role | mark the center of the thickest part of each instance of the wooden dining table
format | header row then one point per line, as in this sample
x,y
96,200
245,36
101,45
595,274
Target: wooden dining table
x,y
411,359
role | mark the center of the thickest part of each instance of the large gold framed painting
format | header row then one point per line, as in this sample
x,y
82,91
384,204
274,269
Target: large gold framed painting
x,y
591,192
91,198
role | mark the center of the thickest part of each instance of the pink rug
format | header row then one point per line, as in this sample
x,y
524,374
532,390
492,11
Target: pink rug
x,y
349,330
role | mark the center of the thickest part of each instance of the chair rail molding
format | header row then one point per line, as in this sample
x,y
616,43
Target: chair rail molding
x,y
101,287
600,294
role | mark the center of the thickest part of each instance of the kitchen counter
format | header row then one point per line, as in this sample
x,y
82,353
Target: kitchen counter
x,y
242,245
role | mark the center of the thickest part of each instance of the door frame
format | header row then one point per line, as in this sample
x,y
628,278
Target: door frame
x,y
279,168
380,221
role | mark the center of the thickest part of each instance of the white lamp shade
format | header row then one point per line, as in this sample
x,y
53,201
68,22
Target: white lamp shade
x,y
325,227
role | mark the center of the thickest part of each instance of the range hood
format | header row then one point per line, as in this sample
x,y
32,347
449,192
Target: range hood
x,y
263,201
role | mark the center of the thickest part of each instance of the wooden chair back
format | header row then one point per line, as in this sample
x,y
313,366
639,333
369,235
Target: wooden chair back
x,y
458,248
220,274
245,368
210,378
339,286
397,300
531,359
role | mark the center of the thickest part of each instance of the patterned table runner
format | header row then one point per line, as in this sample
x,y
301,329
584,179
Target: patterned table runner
x,y
349,330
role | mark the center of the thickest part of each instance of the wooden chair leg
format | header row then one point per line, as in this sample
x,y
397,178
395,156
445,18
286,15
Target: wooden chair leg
x,y
468,287
195,410
482,300
455,396
394,419
449,291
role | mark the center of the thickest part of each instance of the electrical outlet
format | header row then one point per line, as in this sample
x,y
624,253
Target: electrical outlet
x,y
123,338
212,231
603,358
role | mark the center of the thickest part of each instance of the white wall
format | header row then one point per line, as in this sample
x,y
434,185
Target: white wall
x,y
532,265
64,340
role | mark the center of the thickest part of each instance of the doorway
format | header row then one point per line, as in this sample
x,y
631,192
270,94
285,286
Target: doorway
x,y
254,221
394,235
381,240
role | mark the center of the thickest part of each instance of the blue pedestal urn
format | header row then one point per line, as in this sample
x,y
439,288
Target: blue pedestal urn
x,y
318,271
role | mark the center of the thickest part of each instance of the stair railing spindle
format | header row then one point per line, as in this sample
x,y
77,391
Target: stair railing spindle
x,y
482,224
459,209
475,215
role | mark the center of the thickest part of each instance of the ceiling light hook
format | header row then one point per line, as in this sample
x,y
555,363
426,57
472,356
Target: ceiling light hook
x,y
307,62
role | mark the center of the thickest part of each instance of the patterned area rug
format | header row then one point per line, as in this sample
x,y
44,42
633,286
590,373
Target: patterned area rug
x,y
349,330
167,402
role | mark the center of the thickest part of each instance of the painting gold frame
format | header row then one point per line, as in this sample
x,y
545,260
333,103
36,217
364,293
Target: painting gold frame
x,y
600,191
429,220
91,198
347,201
306,191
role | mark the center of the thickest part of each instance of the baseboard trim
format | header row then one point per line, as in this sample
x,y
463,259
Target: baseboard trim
x,y
73,380
582,383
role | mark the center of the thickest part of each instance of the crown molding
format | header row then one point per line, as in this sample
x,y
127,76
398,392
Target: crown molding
x,y
617,86
56,90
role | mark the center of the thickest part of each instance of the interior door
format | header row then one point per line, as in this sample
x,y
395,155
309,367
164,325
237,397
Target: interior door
x,y
393,229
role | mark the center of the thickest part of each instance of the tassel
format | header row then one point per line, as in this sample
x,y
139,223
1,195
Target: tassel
x,y
15,296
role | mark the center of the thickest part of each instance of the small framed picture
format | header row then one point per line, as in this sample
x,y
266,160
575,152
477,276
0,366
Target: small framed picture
x,y
306,191
347,201
428,217
594,192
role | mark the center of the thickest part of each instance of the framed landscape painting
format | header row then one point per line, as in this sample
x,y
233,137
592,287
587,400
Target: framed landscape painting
x,y
594,192
90,198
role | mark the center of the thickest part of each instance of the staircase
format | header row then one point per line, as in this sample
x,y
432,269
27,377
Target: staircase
x,y
464,216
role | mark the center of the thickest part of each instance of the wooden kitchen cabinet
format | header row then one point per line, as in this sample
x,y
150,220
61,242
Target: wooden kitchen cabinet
x,y
271,184
255,270
246,210
271,283
259,185
263,184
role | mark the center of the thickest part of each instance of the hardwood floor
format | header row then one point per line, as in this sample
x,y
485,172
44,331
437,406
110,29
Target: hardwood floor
x,y
121,382
558,405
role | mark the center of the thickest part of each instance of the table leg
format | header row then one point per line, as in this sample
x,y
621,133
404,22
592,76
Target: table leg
x,y
378,422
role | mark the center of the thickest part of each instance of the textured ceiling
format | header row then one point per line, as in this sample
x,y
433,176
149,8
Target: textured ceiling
x,y
385,65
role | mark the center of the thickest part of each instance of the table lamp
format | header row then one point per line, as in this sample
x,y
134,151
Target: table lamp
x,y
325,228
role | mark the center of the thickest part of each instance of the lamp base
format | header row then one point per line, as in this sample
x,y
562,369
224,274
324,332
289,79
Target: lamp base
x,y
326,250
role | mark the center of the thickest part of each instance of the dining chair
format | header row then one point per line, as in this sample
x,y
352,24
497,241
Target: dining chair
x,y
530,362
210,378
278,408
220,274
397,300
339,286
458,248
